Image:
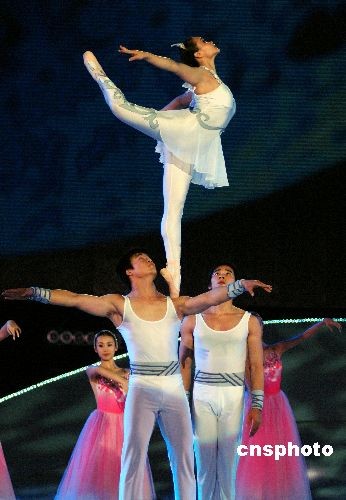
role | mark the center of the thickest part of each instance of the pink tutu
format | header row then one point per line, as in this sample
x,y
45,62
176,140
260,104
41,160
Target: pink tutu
x,y
94,468
6,489
263,477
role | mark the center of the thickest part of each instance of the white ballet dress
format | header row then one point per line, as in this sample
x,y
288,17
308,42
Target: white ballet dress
x,y
191,137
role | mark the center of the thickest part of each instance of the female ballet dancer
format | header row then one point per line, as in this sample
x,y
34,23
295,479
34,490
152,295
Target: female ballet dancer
x,y
6,488
188,130
263,477
94,468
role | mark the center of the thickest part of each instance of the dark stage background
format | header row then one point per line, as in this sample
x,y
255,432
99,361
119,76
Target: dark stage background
x,y
78,188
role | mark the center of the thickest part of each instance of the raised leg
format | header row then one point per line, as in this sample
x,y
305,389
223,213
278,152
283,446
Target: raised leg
x,y
142,119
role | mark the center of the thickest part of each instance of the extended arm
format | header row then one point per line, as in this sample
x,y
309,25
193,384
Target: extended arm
x,y
186,350
187,73
120,378
10,328
104,306
181,102
255,367
327,323
194,305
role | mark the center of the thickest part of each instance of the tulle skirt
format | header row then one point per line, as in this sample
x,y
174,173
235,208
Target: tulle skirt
x,y
94,467
263,477
6,489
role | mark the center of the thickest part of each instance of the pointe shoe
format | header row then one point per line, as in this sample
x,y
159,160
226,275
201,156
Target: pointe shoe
x,y
167,275
93,66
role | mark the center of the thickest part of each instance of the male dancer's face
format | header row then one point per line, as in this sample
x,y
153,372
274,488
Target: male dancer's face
x,y
222,276
142,265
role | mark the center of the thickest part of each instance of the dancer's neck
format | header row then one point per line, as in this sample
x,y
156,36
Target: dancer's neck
x,y
143,289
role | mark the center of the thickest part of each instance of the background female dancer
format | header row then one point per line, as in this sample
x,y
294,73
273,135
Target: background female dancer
x,y
263,477
6,488
10,328
94,467
187,130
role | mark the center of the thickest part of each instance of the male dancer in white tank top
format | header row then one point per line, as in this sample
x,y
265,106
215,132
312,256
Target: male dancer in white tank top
x,y
219,339
149,322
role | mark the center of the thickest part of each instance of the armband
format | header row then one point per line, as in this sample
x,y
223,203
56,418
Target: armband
x,y
40,294
257,399
235,289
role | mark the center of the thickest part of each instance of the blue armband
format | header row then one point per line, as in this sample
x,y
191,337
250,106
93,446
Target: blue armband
x,y
235,289
40,294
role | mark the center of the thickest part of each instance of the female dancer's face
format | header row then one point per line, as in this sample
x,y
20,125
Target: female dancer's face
x,y
206,49
105,347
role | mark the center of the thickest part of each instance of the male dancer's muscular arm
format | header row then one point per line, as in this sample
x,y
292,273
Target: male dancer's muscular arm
x,y
255,363
186,350
104,306
195,305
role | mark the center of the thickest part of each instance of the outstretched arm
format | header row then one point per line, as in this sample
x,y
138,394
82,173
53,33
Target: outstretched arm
x,y
186,350
194,305
105,306
10,328
255,366
327,323
181,102
120,378
187,73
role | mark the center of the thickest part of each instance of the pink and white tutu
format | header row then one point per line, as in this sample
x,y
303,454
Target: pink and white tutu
x,y
94,468
6,488
263,477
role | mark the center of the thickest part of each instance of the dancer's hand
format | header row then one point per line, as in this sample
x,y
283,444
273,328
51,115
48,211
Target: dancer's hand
x,y
167,276
136,55
13,329
124,385
332,325
250,285
17,293
254,420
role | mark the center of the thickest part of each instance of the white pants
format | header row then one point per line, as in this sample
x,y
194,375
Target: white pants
x,y
217,412
160,399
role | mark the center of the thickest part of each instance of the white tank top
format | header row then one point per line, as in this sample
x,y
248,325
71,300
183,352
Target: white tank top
x,y
221,351
153,341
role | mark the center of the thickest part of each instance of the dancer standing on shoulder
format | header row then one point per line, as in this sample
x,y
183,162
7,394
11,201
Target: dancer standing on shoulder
x,y
94,467
264,477
188,130
219,340
6,488
149,323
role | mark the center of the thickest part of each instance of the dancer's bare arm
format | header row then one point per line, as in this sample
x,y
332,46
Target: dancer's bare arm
x,y
104,306
186,350
187,73
10,328
195,305
181,102
255,364
118,376
330,324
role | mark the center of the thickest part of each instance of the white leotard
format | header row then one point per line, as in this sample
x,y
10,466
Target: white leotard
x,y
150,341
191,137
220,351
